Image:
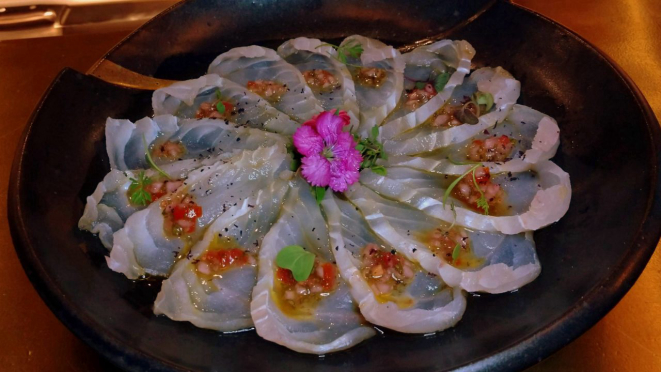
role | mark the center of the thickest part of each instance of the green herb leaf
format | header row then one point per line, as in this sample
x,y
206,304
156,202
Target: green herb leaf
x,y
454,215
374,133
137,193
482,98
440,81
482,201
296,259
353,50
218,94
380,170
319,193
455,252
455,182
420,85
151,161
337,112
220,107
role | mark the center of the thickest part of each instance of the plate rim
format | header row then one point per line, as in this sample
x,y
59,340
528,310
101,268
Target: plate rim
x,y
602,297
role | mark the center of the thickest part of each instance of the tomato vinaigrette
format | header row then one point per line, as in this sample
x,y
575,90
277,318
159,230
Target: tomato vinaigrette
x,y
224,253
180,215
388,273
452,246
299,299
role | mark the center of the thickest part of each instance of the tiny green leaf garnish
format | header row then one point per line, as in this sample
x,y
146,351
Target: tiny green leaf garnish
x,y
440,81
482,98
218,96
482,202
455,182
455,251
297,260
420,85
337,112
454,215
151,161
351,49
371,150
380,170
319,193
137,193
220,107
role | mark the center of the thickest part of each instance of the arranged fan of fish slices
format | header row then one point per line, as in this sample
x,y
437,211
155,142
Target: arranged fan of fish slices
x,y
332,322
205,193
390,290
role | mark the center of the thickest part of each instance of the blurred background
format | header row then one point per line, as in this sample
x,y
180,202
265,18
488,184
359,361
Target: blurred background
x,y
22,19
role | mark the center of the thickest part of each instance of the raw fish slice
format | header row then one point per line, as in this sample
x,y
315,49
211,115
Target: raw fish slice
x,y
376,103
210,137
124,139
533,198
220,300
308,54
445,56
535,139
493,263
426,304
335,323
253,63
426,138
143,247
184,98
108,207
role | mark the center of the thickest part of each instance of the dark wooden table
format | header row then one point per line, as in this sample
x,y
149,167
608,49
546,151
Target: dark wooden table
x,y
32,339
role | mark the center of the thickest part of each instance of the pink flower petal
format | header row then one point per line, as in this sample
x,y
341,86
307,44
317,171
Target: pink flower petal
x,y
307,141
343,174
345,148
313,121
329,126
316,170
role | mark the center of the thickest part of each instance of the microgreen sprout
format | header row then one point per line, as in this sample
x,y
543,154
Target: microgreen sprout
x,y
351,49
137,193
481,202
296,259
372,150
150,161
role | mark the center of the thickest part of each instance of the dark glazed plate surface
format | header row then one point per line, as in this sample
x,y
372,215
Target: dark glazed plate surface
x,y
589,259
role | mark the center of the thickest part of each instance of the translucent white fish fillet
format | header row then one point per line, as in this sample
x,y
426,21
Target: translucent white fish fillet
x,y
223,303
109,206
183,99
435,306
536,138
142,246
124,139
376,103
310,54
336,323
426,138
537,198
419,64
507,261
253,63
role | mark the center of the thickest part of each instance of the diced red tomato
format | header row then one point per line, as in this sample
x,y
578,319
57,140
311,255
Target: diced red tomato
x,y
186,215
224,258
330,276
285,276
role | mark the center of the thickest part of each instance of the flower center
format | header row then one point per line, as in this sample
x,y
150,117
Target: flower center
x,y
328,153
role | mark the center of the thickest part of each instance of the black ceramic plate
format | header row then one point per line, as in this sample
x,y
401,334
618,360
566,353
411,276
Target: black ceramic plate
x,y
610,147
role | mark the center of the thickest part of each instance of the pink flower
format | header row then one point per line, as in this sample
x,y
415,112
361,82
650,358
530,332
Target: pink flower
x,y
330,157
